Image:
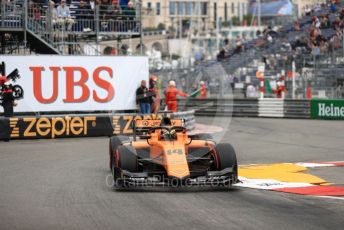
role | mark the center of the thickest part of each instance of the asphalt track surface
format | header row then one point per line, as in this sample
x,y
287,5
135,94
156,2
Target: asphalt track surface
x,y
61,184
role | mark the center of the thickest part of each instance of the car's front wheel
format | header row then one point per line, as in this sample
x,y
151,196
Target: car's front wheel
x,y
114,142
226,158
125,158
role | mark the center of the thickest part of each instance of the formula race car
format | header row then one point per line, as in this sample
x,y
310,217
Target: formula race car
x,y
162,153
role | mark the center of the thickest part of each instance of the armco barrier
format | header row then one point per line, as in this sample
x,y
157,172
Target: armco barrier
x,y
297,109
221,107
269,107
87,125
189,118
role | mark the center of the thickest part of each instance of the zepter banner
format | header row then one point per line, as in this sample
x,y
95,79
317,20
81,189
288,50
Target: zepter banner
x,y
77,83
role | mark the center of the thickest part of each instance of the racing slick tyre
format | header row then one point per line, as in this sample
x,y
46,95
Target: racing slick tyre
x,y
127,160
227,158
115,141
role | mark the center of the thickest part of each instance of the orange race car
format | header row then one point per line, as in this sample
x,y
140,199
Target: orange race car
x,y
162,153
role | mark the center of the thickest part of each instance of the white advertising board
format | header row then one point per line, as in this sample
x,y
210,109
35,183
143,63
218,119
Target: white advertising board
x,y
77,83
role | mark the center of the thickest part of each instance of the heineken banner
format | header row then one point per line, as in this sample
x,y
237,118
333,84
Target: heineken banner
x,y
327,109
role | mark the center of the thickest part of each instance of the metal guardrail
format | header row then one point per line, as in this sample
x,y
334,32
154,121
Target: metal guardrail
x,y
64,31
297,108
221,107
11,14
269,107
119,123
275,108
189,118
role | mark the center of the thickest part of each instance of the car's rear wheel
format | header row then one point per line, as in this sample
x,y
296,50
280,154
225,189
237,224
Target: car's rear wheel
x,y
114,142
226,158
126,158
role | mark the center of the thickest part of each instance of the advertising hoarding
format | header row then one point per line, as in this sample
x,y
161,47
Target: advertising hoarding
x,y
77,83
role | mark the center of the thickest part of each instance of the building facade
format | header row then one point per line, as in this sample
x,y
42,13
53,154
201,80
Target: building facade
x,y
302,4
181,15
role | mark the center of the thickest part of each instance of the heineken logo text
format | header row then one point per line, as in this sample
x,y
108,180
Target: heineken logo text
x,y
330,110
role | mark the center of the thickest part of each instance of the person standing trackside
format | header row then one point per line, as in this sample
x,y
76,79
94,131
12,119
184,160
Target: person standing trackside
x,y
153,89
171,94
203,91
143,98
8,101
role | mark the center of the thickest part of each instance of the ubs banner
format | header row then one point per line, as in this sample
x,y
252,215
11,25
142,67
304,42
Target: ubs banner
x,y
327,109
68,126
77,83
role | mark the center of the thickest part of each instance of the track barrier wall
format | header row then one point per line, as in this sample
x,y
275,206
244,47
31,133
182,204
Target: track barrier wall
x,y
93,125
270,108
80,125
222,107
267,107
326,109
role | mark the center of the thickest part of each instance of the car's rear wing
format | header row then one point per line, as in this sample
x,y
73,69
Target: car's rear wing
x,y
143,126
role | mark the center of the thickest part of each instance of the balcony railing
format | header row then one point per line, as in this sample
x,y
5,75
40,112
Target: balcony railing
x,y
11,14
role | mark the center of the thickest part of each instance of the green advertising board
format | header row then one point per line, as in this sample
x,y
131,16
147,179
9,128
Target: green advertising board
x,y
327,109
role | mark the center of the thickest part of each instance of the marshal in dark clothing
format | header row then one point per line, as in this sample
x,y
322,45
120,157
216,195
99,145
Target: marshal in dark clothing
x,y
8,102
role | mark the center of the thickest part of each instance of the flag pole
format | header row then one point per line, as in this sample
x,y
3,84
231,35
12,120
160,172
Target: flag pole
x,y
293,80
259,14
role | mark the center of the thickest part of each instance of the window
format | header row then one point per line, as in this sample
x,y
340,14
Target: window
x,y
233,9
204,8
226,16
172,8
188,8
239,11
180,8
243,9
149,5
158,7
235,34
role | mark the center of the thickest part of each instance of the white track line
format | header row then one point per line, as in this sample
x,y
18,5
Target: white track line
x,y
330,197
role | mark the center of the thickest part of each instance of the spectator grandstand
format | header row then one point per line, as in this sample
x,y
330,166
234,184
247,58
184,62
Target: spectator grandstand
x,y
63,26
310,49
314,42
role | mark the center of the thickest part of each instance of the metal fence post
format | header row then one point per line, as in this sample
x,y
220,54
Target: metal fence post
x,y
26,8
314,66
63,34
141,29
97,24
343,42
49,23
3,5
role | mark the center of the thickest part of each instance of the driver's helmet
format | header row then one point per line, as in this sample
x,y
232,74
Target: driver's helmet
x,y
153,79
166,121
169,134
